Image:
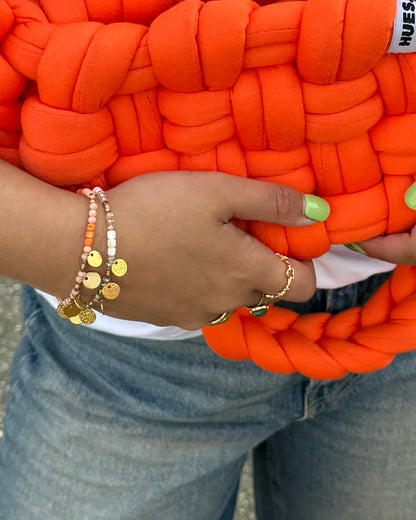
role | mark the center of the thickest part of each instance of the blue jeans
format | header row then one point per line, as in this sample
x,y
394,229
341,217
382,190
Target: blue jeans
x,y
106,428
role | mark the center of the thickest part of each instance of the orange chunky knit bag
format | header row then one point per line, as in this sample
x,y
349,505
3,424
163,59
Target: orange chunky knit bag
x,y
93,92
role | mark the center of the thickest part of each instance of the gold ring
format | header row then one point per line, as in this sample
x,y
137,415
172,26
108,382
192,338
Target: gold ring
x,y
266,299
222,318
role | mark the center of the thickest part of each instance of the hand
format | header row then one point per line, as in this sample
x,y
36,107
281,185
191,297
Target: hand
x,y
187,261
398,248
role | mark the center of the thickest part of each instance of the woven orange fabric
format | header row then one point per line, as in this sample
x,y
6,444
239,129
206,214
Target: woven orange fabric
x,y
299,93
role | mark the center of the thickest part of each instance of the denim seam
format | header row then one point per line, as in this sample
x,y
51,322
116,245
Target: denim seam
x,y
31,317
307,405
11,393
328,399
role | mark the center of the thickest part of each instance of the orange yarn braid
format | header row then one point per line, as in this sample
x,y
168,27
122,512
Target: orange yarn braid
x,y
299,93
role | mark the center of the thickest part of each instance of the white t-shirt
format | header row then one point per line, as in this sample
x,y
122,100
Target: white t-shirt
x,y
337,268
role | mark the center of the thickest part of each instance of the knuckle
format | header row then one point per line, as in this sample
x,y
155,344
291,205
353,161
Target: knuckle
x,y
304,285
281,202
308,291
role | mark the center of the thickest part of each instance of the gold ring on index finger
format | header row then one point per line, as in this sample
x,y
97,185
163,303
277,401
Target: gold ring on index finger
x,y
267,299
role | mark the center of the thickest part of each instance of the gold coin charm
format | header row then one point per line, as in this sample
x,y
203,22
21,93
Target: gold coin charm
x,y
91,280
71,310
60,310
76,320
119,267
87,316
94,258
111,291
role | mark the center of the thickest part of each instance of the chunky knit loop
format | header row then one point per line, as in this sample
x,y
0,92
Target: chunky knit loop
x,y
6,19
110,11
337,42
298,93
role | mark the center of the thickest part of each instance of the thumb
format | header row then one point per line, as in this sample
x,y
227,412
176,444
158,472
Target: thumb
x,y
398,248
249,199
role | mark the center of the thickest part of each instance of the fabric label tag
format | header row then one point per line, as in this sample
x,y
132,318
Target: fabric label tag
x,y
404,32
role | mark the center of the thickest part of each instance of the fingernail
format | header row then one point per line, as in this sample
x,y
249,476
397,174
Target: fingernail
x,y
410,196
316,208
355,247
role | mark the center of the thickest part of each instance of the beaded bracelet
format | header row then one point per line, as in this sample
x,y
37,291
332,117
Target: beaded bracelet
x,y
118,267
70,307
74,307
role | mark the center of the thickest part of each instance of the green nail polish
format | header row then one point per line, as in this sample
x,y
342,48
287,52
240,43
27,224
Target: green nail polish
x,y
355,247
316,208
410,196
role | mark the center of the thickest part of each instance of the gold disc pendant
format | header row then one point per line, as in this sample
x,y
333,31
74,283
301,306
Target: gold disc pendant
x,y
94,258
119,267
111,291
71,310
91,280
60,310
87,316
76,320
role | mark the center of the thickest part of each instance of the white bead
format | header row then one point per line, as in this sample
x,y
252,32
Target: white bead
x,y
111,251
111,243
111,234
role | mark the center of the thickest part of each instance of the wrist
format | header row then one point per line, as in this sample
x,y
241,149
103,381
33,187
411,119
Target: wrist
x,y
99,272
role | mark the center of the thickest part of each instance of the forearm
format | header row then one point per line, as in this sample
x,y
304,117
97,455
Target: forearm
x,y
187,262
43,231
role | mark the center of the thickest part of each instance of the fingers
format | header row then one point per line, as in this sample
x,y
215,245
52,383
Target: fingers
x,y
399,248
198,264
269,202
262,271
301,289
273,277
255,200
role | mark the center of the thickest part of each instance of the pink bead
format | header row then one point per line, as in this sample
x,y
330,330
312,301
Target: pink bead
x,y
74,293
81,274
84,257
87,192
92,220
93,205
92,213
87,249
